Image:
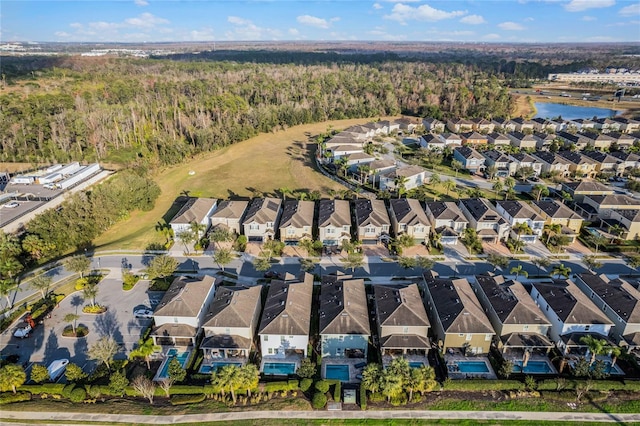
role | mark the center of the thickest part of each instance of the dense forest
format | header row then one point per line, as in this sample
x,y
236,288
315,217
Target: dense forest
x,y
161,111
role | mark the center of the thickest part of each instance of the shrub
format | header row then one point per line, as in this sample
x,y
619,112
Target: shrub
x,y
81,283
290,385
66,392
319,400
10,397
95,309
129,280
363,397
74,373
482,385
376,397
530,383
322,386
78,395
401,399
50,388
93,391
118,382
305,384
187,399
307,369
39,373
337,391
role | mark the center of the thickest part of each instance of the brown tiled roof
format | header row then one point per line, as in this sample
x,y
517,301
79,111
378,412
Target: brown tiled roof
x,y
343,307
297,214
233,307
185,297
287,309
408,211
230,209
194,210
399,306
174,330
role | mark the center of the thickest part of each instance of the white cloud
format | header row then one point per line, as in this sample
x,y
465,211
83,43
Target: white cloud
x,y
580,5
377,6
403,13
293,31
589,18
473,20
313,21
245,29
528,19
146,20
510,26
492,36
631,10
141,2
62,34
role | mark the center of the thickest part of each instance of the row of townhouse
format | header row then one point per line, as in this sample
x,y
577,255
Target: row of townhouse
x,y
471,316
457,314
563,163
614,124
374,221
528,141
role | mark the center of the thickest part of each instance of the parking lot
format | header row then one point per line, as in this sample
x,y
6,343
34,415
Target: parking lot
x,y
46,342
8,214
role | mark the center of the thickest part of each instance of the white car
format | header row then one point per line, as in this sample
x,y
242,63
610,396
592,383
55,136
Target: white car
x,y
23,331
143,313
11,205
56,368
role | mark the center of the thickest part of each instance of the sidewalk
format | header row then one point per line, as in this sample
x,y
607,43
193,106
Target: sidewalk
x,y
69,418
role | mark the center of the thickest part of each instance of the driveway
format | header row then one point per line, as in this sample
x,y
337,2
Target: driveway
x,y
46,342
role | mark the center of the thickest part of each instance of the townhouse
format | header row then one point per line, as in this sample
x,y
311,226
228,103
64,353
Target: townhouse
x,y
194,211
522,125
450,139
260,220
503,125
474,139
371,221
522,160
598,141
544,140
433,125
488,223
408,217
522,141
552,163
229,215
296,221
578,190
471,159
482,125
498,139
459,125
447,221
409,177
457,319
605,162
503,164
555,212
516,213
579,165
431,141
402,322
334,222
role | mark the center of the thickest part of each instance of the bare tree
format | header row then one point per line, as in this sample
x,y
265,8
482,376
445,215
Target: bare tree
x,y
166,384
144,387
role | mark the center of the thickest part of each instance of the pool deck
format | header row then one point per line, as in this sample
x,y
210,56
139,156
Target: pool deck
x,y
167,358
453,359
386,360
351,362
518,361
280,359
210,362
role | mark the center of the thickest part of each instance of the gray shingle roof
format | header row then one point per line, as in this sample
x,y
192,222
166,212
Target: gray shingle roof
x,y
263,210
343,306
185,297
399,306
194,210
334,212
408,211
569,303
233,307
297,213
287,309
370,212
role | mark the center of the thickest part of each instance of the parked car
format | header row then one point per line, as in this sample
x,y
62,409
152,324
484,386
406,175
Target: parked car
x,y
22,331
11,205
143,313
56,368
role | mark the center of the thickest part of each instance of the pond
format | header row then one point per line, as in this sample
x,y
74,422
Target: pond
x,y
571,112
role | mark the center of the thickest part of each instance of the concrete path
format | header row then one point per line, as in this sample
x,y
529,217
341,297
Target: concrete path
x,y
69,418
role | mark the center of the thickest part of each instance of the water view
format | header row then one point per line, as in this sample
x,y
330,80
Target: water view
x,y
571,112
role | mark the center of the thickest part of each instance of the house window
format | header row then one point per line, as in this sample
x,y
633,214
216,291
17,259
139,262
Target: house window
x,y
175,320
369,229
461,335
487,337
291,231
468,338
269,224
270,351
227,330
405,330
341,338
385,228
266,338
403,227
283,339
525,328
254,227
592,294
345,228
587,327
419,229
330,231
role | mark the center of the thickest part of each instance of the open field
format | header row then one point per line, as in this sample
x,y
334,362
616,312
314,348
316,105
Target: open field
x,y
257,166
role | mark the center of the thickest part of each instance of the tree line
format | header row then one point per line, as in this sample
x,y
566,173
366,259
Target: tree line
x,y
146,113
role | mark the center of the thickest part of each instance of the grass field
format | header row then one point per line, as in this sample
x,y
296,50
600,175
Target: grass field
x,y
259,165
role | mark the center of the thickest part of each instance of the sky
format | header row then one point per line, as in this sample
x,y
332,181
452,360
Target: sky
x,y
513,21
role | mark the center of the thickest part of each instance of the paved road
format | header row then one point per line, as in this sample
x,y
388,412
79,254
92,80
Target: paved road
x,y
69,418
375,267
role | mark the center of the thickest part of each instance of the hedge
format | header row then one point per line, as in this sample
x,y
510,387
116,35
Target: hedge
x,y
66,391
9,397
305,384
78,395
175,390
50,388
289,385
363,397
319,400
482,385
596,385
337,394
322,386
187,399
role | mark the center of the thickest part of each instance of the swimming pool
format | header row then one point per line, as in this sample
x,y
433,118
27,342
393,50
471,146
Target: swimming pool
x,y
337,372
415,364
533,367
206,369
173,353
279,368
472,367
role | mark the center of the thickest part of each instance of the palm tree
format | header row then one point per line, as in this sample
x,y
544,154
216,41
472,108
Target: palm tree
x,y
229,378
434,179
552,229
617,231
498,261
561,270
220,235
197,229
284,192
497,188
540,190
90,291
520,228
222,257
400,182
491,171
6,287
509,183
598,240
541,262
41,283
72,318
456,165
186,237
250,377
144,350
449,185
633,262
371,377
566,197
391,384
519,270
596,346
591,262
363,170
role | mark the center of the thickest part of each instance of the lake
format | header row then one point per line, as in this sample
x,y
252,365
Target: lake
x,y
571,112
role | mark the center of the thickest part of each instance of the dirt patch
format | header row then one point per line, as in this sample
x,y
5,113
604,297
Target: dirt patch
x,y
499,248
294,251
417,250
375,250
